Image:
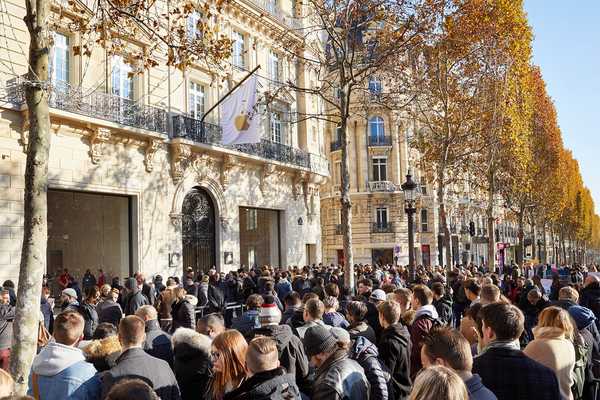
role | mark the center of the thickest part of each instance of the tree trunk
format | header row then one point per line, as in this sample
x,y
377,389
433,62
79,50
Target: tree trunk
x,y
346,202
443,228
491,247
544,258
35,231
534,247
520,246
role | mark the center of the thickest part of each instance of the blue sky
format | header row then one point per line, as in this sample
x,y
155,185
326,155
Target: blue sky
x,y
567,48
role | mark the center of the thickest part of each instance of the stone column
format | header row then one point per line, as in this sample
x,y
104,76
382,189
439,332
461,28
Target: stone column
x,y
360,154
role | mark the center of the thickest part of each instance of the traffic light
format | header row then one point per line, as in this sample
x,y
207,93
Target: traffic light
x,y
472,228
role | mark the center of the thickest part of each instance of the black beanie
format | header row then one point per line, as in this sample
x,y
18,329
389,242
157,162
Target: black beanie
x,y
318,339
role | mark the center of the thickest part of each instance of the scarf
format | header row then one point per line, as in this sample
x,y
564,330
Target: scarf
x,y
502,344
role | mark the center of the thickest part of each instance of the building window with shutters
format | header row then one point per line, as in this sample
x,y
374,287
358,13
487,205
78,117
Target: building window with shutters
x,y
196,100
382,217
376,129
424,221
60,59
238,49
122,80
379,169
277,131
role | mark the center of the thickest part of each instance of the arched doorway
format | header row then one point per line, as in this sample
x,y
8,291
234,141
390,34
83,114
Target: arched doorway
x,y
198,231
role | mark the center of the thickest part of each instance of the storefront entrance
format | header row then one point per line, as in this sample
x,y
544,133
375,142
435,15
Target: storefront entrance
x,y
198,231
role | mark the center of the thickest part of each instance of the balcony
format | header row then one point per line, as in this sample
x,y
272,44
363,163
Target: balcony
x,y
95,104
380,141
382,186
337,145
382,227
280,15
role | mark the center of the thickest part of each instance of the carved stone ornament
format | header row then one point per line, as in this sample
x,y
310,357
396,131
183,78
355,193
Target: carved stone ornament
x,y
97,140
267,171
230,162
180,155
205,167
175,220
149,151
298,183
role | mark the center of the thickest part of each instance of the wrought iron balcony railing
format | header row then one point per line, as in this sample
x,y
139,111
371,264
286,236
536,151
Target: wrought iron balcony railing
x,y
382,227
337,145
285,18
380,141
382,186
95,104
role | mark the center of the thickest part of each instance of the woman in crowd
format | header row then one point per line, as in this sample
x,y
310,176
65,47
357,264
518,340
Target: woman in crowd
x,y
228,356
553,346
437,383
182,311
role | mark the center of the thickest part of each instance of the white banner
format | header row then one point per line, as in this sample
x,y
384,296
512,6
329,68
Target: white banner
x,y
239,117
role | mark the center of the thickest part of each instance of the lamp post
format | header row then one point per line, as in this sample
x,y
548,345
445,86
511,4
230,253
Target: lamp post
x,y
410,198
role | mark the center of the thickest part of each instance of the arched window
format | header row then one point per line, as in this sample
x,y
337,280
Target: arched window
x,y
376,129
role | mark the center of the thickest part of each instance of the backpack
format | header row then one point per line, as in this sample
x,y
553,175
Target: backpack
x,y
580,370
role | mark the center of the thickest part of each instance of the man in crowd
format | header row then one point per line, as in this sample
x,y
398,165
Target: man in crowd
x,y
446,346
164,302
7,315
108,309
146,289
134,361
425,317
134,298
249,319
377,297
365,286
157,342
313,315
394,348
68,299
503,367
60,369
211,325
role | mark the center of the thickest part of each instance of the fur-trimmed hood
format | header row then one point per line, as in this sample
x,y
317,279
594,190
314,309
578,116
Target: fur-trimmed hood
x,y
103,353
192,339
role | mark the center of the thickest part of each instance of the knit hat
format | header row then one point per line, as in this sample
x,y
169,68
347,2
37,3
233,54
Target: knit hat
x,y
583,316
269,312
318,339
70,292
340,334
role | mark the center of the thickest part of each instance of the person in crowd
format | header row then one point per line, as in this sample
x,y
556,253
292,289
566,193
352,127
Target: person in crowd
x,y
157,342
459,299
191,362
534,306
403,296
159,286
377,297
290,348
211,325
356,312
489,294
134,361
134,298
147,290
553,346
337,376
209,295
60,369
331,316
442,302
10,286
395,348
590,295
101,278
438,382
104,349
448,347
365,286
183,313
293,306
132,389
163,304
6,384
366,355
249,319
68,300
88,280
46,309
472,290
567,297
503,367
312,315
7,316
269,290
73,284
228,357
469,322
108,309
64,279
266,379
283,286
425,317
88,310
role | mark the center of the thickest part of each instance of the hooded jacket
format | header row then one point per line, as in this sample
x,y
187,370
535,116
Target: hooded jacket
x,y
291,350
362,329
267,385
61,371
191,362
183,314
134,299
395,350
424,320
366,354
158,342
103,353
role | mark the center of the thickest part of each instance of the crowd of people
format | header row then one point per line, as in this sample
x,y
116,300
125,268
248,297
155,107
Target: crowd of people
x,y
458,334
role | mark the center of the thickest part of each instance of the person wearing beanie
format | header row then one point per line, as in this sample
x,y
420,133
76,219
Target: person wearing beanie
x,y
337,376
69,301
291,350
134,298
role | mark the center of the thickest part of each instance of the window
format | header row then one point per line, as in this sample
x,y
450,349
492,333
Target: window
x,y
338,172
276,127
192,26
251,256
60,59
379,169
251,219
196,100
423,186
424,221
274,69
238,49
122,82
338,134
382,216
376,129
271,6
375,86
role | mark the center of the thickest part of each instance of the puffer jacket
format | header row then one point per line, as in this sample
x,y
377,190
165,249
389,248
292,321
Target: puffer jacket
x,y
366,354
184,315
267,385
340,377
191,362
395,349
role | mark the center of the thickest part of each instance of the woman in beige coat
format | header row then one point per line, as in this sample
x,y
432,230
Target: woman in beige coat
x,y
553,346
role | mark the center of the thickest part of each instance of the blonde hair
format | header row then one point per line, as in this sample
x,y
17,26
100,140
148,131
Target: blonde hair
x,y
179,293
438,382
232,347
556,317
262,355
6,383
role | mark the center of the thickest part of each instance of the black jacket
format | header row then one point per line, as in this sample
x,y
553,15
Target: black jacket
x,y
158,342
149,293
268,385
184,315
362,329
365,353
372,318
109,311
291,350
340,378
394,350
134,300
191,364
139,364
90,317
443,307
590,298
511,375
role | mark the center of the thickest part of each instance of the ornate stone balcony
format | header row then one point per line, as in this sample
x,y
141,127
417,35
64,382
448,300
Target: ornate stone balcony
x,y
380,141
270,6
382,186
382,227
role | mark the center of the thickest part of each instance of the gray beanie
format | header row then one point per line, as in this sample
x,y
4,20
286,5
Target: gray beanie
x,y
318,339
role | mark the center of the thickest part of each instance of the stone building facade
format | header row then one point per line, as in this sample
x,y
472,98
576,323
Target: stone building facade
x,y
137,182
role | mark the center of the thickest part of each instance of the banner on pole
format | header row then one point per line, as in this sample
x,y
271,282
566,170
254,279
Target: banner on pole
x,y
239,117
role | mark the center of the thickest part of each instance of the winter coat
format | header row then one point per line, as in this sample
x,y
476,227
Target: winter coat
x,y
420,327
136,362
164,302
246,322
291,350
183,314
443,306
7,316
103,353
46,310
134,300
476,389
335,319
109,311
372,318
590,298
301,331
267,385
149,293
394,351
158,342
340,377
283,287
90,317
553,350
289,313
366,354
362,329
61,371
191,362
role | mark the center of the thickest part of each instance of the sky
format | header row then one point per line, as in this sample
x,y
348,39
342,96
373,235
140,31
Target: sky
x,y
567,48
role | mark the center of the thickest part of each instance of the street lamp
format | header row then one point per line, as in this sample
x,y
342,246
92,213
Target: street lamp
x,y
410,198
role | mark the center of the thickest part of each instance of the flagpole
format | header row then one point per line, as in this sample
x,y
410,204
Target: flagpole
x,y
228,94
